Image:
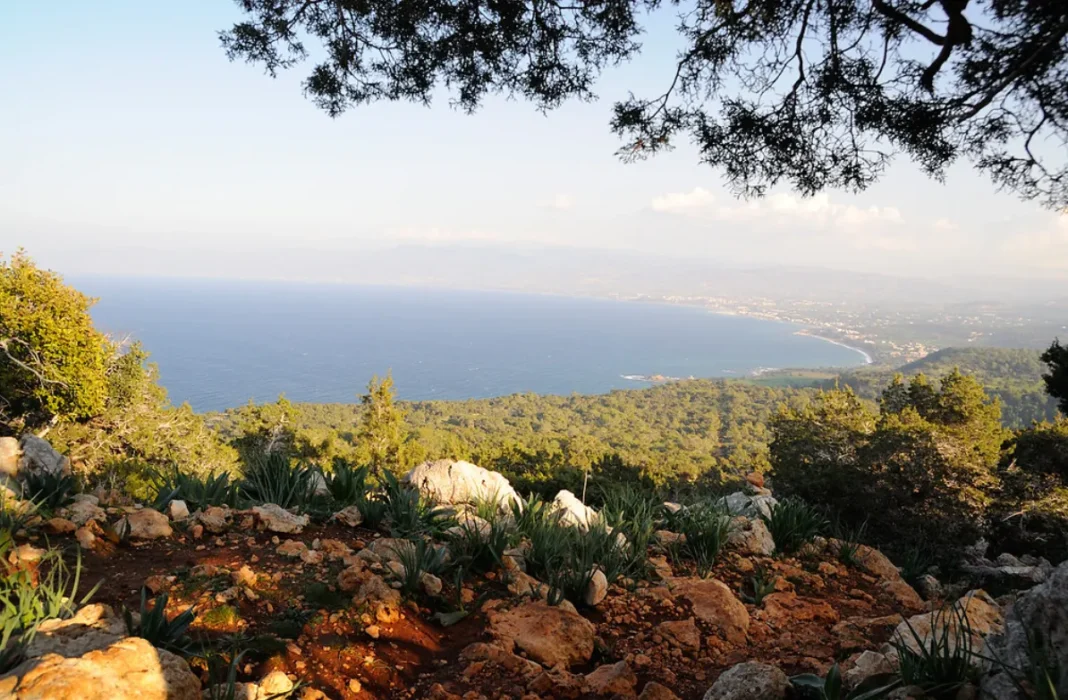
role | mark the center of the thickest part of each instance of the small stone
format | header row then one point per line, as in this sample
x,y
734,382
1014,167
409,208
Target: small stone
x,y
372,631
177,510
355,686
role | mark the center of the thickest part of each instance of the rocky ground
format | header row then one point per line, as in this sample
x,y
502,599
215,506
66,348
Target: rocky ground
x,y
316,609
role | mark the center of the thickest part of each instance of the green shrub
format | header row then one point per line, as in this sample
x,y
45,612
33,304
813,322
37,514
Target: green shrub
x,y
761,585
198,492
49,491
418,557
15,514
704,527
410,514
169,634
848,541
812,686
478,551
793,524
274,478
347,484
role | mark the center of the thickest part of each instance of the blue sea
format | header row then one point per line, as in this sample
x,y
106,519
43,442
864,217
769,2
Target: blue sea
x,y
220,343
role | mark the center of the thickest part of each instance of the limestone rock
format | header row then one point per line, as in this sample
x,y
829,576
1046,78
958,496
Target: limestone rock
x,y
655,691
550,635
715,604
984,618
739,503
1041,612
613,680
277,519
93,627
749,681
291,548
349,515
864,666
9,456
903,594
39,457
431,584
127,669
177,510
85,508
574,512
215,519
875,562
86,538
750,536
450,482
145,524
596,589
682,633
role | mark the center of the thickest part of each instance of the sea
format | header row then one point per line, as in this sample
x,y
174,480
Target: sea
x,y
220,343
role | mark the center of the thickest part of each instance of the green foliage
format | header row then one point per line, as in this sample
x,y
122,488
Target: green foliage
x,y
478,550
48,490
811,686
54,362
14,515
381,430
153,625
319,595
848,540
25,602
410,515
761,585
1056,378
347,483
198,492
943,662
793,524
419,557
925,468
273,477
705,527
218,666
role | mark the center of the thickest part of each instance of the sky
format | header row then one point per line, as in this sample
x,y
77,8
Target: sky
x,y
129,144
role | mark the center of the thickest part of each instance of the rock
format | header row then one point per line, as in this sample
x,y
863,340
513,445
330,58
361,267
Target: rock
x,y
739,503
375,589
672,508
244,576
865,665
86,538
450,482
930,587
903,594
59,526
351,577
215,519
431,584
39,457
9,456
750,536
521,583
984,618
311,556
85,508
655,691
291,548
127,669
596,589
349,515
1039,616
875,562
550,635
714,604
574,512
334,549
682,633
93,627
177,510
276,683
749,681
145,524
277,519
612,679
755,479
666,539
785,608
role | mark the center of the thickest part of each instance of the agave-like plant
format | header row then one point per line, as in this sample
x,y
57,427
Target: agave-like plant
x,y
154,625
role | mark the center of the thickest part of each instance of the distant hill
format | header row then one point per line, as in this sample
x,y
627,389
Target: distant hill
x,y
1013,375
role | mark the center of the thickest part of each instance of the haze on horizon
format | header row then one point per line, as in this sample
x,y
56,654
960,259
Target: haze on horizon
x,y
136,148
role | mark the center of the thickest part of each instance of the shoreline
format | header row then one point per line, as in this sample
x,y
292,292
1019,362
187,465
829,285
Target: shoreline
x,y
867,357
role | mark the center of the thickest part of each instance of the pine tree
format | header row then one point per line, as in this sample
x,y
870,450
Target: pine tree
x,y
1056,359
382,431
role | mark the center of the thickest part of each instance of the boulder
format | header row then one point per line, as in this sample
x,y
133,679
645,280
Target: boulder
x,y
349,515
984,618
903,594
616,680
214,519
865,665
9,456
749,681
876,563
715,604
127,669
93,627
1038,617
145,524
39,457
596,589
177,510
85,508
550,635
277,519
450,482
755,506
574,512
750,536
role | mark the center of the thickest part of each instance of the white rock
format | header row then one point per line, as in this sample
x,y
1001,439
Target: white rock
x,y
450,483
278,519
177,510
349,515
750,536
749,681
9,456
145,524
574,512
596,589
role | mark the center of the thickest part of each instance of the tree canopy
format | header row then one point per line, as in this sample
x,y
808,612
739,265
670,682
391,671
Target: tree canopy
x,y
814,93
1056,359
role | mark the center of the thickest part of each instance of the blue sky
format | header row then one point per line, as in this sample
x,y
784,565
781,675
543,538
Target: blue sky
x,y
125,135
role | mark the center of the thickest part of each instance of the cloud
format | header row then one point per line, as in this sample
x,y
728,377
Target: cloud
x,y
560,202
434,234
1046,248
781,209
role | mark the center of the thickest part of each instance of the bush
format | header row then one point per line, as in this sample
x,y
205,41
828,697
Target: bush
x,y
792,524
704,527
479,551
347,484
274,478
169,634
49,491
419,557
945,661
831,688
410,514
198,492
761,585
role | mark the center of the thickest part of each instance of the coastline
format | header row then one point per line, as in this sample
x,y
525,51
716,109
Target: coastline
x,y
867,357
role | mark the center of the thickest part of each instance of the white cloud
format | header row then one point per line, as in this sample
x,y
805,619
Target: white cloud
x,y
560,201
1046,248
